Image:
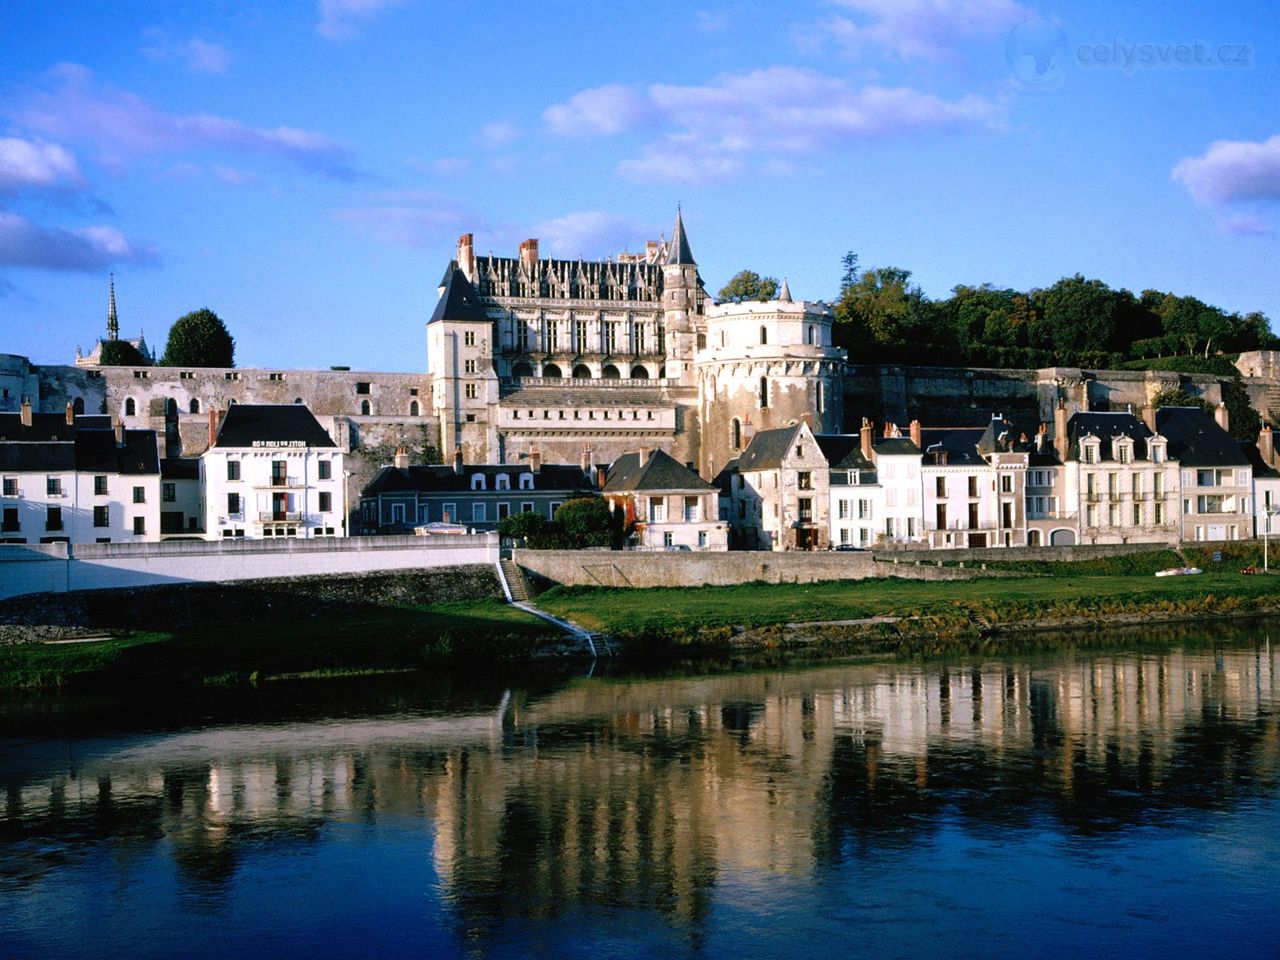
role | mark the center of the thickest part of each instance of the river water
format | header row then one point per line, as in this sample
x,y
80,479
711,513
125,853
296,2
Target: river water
x,y
1074,803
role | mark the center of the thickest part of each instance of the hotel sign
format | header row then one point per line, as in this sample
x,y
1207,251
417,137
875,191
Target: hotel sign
x,y
279,443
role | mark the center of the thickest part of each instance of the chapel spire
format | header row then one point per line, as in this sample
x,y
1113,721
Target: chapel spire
x,y
113,323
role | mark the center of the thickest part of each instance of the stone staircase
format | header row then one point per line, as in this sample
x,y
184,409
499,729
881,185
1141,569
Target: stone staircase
x,y
516,583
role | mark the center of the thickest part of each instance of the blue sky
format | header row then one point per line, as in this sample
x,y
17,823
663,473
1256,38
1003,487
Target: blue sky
x,y
304,169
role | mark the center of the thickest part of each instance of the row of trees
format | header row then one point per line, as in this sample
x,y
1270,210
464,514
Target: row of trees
x,y
198,339
582,521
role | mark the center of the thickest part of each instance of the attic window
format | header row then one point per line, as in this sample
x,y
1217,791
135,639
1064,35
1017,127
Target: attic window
x,y
526,481
502,482
477,481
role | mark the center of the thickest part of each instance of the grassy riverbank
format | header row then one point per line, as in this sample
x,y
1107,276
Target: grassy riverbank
x,y
373,641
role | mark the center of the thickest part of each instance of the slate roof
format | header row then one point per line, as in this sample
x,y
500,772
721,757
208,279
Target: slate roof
x,y
1261,469
960,444
895,446
767,448
459,300
180,468
31,457
1106,427
843,451
724,479
1196,440
270,423
680,252
660,471
432,478
97,452
44,426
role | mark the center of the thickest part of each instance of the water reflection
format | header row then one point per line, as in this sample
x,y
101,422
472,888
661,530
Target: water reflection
x,y
670,798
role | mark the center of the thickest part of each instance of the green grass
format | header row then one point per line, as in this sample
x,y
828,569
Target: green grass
x,y
1125,565
381,641
677,614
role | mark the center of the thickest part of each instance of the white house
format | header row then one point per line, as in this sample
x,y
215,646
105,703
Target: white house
x,y
271,470
673,508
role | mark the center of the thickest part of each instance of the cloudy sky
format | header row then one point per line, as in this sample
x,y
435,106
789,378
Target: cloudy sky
x,y
304,169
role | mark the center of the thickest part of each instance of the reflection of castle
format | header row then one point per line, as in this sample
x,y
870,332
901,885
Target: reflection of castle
x,y
652,793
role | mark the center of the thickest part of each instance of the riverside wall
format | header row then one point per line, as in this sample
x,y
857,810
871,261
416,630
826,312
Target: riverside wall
x,y
63,568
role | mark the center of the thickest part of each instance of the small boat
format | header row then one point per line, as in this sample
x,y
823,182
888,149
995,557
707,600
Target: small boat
x,y
1178,572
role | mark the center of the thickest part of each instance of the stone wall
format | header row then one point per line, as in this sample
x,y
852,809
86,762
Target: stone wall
x,y
614,568
977,557
64,567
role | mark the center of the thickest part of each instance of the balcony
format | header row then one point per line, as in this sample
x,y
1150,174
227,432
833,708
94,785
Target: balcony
x,y
279,516
562,382
279,483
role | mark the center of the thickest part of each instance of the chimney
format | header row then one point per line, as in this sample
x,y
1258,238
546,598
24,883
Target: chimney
x,y
601,476
535,461
915,433
1044,428
25,411
213,424
586,458
467,256
1060,431
457,462
119,425
651,251
1149,416
71,415
1084,396
1266,447
644,456
864,436
402,458
1220,414
529,253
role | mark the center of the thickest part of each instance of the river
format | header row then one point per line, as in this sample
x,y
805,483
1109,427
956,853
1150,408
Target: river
x,y
1122,803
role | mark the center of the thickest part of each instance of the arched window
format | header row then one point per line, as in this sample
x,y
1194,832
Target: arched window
x,y
764,392
552,371
77,407
477,481
364,408
701,341
662,372
638,372
502,482
808,336
413,408
736,433
171,407
522,370
582,372
194,405
610,373
764,335
130,408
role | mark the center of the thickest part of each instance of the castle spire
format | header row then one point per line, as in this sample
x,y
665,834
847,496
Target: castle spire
x,y
680,252
785,295
113,323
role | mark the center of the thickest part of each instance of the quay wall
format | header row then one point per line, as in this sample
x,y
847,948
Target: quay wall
x,y
63,568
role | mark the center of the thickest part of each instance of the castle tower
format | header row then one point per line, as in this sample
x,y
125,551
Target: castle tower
x,y
682,306
113,322
766,365
464,385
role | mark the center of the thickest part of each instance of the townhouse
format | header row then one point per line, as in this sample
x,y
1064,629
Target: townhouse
x,y
667,505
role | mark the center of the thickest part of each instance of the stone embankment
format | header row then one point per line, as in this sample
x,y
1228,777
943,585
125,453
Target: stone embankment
x,y
41,617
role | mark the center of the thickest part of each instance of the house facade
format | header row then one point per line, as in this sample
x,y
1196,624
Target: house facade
x,y
668,506
784,490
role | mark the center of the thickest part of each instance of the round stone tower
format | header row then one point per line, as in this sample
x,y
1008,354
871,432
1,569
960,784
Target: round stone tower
x,y
766,365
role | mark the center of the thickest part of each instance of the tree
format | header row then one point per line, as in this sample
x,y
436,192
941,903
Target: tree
x,y
881,309
121,353
1077,316
585,522
199,339
528,526
748,285
1242,418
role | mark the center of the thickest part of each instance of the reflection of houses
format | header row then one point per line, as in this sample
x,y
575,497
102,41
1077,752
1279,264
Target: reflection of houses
x,y
402,496
271,470
76,480
671,505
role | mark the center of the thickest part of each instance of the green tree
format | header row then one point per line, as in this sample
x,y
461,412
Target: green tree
x,y
1077,316
121,353
748,285
883,310
1180,398
585,522
199,339
1243,420
528,526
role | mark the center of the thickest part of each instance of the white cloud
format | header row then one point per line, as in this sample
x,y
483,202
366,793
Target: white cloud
x,y
198,56
499,134
25,164
1233,170
600,111
27,244
714,130
1246,225
410,218
921,29
121,124
590,234
341,18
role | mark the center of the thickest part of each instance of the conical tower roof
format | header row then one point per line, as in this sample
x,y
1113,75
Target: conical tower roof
x,y
679,251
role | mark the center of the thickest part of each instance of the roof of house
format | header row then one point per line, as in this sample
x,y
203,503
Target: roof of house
x,y
1261,469
843,451
767,449
180,468
959,444
1196,440
270,424
895,447
97,452
458,300
44,426
723,480
35,457
660,471
1107,427
428,478
680,252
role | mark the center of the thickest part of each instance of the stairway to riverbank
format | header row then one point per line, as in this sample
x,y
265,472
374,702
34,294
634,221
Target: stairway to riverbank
x,y
517,586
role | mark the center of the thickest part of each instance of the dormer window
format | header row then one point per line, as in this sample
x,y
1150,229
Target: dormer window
x,y
502,482
526,481
1089,450
1124,451
477,481
1157,449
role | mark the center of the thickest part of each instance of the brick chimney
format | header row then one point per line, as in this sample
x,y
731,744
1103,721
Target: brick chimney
x,y
644,456
467,256
1084,396
1223,418
25,411
1149,416
601,476
402,458
213,424
1266,446
529,253
119,425
457,461
864,438
915,433
587,457
71,415
535,461
1040,435
1060,430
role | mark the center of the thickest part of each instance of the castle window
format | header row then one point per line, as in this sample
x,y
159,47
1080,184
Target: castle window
x,y
469,338
764,335
639,373
552,371
662,339
610,373
361,387
582,372
808,337
364,408
610,337
469,366
413,408
640,345
553,336
735,433
471,391
194,405
580,336
130,408
764,393
275,376
822,397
